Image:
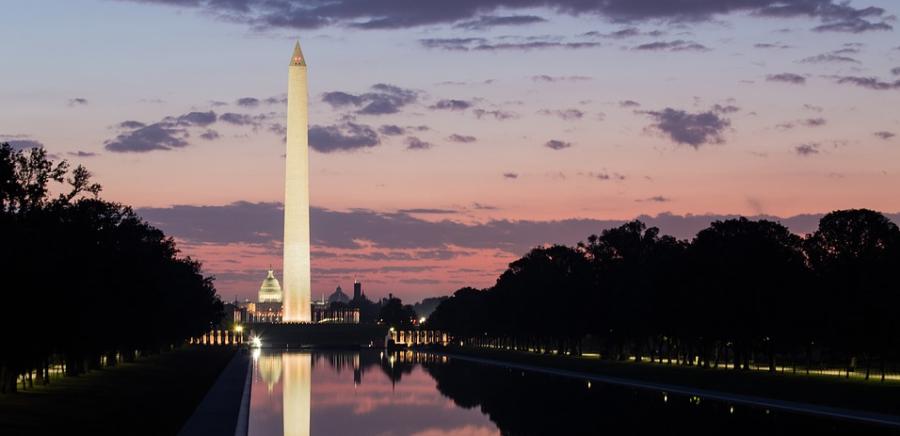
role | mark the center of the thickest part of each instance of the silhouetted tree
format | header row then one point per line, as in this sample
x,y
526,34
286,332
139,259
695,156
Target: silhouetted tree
x,y
855,254
744,273
395,314
86,278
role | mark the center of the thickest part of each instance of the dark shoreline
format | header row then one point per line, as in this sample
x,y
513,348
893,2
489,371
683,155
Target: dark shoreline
x,y
833,397
152,396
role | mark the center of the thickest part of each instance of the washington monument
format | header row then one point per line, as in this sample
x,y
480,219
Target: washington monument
x,y
296,283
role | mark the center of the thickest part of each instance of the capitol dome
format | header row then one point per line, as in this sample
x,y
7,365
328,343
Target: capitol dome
x,y
270,290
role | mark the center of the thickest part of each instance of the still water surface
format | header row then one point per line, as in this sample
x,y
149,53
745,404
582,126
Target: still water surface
x,y
411,393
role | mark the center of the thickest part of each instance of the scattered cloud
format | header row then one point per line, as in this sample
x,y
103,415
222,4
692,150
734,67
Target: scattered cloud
x,y
807,149
504,44
452,105
603,175
766,45
247,102
461,138
196,118
867,82
677,45
480,206
654,199
814,122
131,124
238,119
629,103
813,108
427,211
77,101
556,144
852,25
342,137
80,153
499,115
725,109
452,44
627,32
168,134
694,129
564,114
381,100
510,175
490,21
414,143
210,135
896,71
391,130
828,58
555,79
885,135
791,78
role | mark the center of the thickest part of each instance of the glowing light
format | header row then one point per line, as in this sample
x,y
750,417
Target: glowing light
x,y
256,342
239,328
422,320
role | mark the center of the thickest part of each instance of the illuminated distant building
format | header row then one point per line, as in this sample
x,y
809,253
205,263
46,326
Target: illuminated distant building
x,y
270,290
268,306
335,310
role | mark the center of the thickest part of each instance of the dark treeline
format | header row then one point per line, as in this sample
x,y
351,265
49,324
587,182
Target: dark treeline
x,y
86,280
741,292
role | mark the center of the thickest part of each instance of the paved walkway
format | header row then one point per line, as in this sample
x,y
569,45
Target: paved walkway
x,y
224,409
790,406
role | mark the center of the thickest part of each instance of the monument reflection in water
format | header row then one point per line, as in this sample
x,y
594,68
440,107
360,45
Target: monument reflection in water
x,y
297,388
354,393
421,394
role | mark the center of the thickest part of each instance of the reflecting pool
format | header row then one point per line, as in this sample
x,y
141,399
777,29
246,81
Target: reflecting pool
x,y
413,393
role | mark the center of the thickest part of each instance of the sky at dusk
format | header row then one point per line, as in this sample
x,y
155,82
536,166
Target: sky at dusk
x,y
450,137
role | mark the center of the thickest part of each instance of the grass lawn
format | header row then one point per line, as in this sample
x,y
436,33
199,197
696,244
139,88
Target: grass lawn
x,y
853,394
152,396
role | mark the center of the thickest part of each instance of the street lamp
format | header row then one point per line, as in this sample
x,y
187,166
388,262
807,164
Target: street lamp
x,y
239,329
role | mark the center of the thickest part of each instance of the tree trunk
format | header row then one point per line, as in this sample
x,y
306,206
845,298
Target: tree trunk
x,y
868,365
771,356
808,357
71,366
737,357
111,358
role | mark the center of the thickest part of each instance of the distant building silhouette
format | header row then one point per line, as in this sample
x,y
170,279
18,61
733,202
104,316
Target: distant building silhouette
x,y
338,296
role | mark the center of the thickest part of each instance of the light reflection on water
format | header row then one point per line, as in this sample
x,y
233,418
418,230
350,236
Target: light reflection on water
x,y
373,393
349,393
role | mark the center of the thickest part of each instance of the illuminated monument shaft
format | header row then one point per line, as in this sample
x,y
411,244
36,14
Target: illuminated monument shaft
x,y
296,300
